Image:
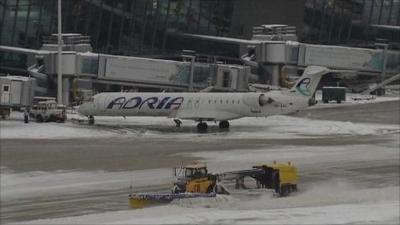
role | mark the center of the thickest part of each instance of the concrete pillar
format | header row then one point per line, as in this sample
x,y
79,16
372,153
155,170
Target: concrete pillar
x,y
275,75
66,90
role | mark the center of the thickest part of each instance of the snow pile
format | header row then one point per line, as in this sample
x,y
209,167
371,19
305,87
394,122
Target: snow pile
x,y
153,127
366,213
220,201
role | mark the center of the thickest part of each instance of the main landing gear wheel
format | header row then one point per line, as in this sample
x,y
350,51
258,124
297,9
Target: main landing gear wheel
x,y
224,124
202,126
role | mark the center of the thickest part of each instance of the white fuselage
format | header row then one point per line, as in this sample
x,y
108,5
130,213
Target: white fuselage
x,y
195,106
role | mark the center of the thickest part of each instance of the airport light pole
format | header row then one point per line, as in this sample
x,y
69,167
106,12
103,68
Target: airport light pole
x,y
59,43
385,47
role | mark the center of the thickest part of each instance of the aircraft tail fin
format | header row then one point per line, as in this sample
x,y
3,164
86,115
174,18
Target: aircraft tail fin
x,y
308,82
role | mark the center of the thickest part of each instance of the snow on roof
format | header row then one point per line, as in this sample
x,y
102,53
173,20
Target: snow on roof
x,y
22,50
19,78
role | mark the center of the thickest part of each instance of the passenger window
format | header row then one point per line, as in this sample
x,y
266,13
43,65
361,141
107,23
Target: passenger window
x,y
227,101
221,101
209,101
215,101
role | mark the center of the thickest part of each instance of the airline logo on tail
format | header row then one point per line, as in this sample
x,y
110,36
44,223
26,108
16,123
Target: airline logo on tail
x,y
303,86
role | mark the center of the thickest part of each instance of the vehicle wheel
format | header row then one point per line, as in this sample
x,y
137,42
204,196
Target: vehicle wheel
x,y
224,124
202,126
284,191
339,101
39,118
51,119
326,101
211,188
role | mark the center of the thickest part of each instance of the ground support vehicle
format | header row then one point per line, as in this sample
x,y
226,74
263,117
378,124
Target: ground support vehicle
x,y
194,181
48,111
337,94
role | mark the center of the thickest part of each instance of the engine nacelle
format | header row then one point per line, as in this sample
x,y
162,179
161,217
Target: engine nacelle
x,y
255,101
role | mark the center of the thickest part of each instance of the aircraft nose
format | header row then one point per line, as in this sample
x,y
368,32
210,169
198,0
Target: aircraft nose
x,y
85,109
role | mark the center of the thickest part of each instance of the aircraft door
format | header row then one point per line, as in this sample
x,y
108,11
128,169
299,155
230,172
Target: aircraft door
x,y
5,94
189,104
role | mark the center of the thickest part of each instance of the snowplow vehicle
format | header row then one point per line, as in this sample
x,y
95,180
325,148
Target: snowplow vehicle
x,y
194,178
194,181
278,176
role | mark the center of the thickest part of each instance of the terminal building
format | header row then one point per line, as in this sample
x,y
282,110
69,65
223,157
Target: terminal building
x,y
116,45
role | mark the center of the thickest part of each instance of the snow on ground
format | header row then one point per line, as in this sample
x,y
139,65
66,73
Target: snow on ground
x,y
39,183
365,213
331,201
301,156
249,127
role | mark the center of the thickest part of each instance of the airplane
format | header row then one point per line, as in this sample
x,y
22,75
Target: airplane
x,y
207,106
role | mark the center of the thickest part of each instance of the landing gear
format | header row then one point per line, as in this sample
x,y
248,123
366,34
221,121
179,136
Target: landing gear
x,y
224,124
177,122
202,126
91,120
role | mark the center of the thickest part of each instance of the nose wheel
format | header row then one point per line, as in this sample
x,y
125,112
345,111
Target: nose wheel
x,y
177,122
224,124
91,120
202,126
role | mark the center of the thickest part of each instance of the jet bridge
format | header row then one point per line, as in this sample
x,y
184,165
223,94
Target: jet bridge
x,y
274,48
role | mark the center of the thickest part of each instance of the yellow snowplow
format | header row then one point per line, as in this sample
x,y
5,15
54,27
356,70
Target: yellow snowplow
x,y
194,181
194,178
278,176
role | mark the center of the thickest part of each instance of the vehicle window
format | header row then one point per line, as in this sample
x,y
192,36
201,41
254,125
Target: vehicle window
x,y
188,172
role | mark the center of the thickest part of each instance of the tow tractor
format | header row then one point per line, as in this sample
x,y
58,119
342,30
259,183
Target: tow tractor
x,y
194,181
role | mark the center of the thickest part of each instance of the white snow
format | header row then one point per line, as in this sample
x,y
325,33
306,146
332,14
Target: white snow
x,y
270,127
38,183
331,201
365,213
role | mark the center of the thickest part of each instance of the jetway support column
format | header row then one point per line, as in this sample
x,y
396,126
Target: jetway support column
x,y
273,71
66,89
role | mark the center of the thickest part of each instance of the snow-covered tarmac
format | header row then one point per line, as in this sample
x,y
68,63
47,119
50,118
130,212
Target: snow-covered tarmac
x,y
349,173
